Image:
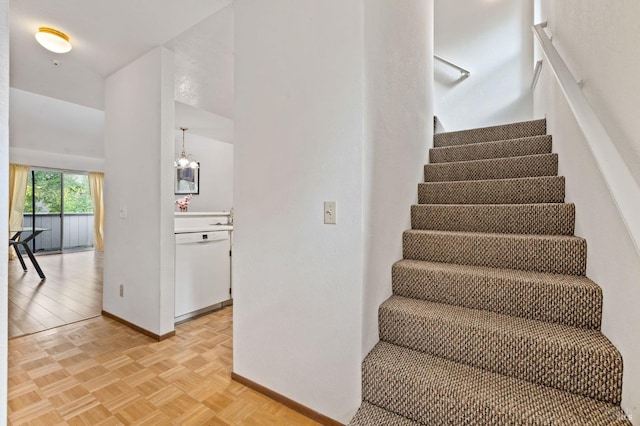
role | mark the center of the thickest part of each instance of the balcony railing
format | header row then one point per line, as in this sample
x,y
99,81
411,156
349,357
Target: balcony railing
x,y
77,231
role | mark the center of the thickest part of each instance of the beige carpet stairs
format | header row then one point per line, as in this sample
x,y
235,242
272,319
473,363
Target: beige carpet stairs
x,y
492,320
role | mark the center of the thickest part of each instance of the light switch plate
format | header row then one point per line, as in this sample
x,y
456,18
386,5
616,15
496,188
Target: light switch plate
x,y
330,212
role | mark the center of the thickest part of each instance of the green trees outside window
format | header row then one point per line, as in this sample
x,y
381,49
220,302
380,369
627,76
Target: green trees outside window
x,y
48,188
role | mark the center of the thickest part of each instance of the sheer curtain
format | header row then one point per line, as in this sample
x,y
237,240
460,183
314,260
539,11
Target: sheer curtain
x,y
96,180
18,177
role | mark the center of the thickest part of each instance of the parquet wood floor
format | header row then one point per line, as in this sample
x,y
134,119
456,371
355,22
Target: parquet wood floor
x,y
71,292
100,372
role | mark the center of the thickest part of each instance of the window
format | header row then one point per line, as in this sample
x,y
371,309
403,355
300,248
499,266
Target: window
x,y
61,203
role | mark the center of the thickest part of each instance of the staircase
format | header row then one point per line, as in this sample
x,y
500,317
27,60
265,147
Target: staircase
x,y
492,320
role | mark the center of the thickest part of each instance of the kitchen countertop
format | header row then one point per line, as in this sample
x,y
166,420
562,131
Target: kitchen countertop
x,y
196,214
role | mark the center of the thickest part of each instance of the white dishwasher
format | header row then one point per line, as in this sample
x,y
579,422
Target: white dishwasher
x,y
203,272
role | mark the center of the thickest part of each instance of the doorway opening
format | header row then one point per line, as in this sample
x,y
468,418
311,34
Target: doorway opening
x,y
59,211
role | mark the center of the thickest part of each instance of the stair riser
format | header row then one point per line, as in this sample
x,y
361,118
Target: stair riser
x,y
514,191
510,148
430,391
502,168
559,365
556,256
371,415
489,134
545,219
532,299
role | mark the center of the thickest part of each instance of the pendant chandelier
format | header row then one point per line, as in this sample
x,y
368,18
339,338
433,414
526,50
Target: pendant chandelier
x,y
183,162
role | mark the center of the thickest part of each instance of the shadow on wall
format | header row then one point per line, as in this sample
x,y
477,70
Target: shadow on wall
x,y
493,95
494,39
520,103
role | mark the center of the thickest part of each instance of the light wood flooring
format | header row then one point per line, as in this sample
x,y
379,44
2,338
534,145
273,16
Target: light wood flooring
x,y
71,292
100,372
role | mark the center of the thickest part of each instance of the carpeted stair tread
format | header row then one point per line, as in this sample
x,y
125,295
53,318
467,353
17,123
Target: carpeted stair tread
x,y
543,218
571,359
372,415
556,254
435,391
565,299
492,321
495,168
492,133
494,191
532,145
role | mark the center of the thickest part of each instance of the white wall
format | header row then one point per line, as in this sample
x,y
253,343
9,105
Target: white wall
x,y
613,262
599,41
493,40
398,131
216,171
204,63
4,200
139,144
333,102
299,88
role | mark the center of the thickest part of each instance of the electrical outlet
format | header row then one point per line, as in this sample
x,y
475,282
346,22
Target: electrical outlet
x,y
121,290
330,212
123,211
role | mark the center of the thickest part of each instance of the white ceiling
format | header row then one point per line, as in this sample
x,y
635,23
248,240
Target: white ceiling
x,y
107,35
83,135
203,123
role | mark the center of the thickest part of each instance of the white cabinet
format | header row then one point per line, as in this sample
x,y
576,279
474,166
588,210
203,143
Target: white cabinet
x,y
203,270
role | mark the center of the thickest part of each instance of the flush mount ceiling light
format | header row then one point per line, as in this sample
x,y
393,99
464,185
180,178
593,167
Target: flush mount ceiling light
x,y
53,40
183,162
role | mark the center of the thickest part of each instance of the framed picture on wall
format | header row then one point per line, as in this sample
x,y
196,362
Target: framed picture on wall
x,y
187,181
